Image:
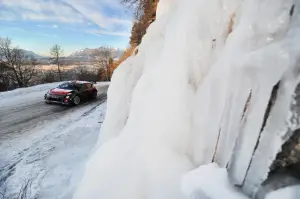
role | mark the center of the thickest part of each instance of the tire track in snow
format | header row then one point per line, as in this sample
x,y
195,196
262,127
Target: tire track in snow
x,y
9,168
24,118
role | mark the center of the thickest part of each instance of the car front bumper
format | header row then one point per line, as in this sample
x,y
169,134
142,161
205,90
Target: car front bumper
x,y
58,102
61,100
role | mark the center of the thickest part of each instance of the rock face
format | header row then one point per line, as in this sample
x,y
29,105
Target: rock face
x,y
271,170
288,160
285,170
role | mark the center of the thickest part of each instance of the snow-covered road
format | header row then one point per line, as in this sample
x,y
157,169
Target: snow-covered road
x,y
22,111
46,146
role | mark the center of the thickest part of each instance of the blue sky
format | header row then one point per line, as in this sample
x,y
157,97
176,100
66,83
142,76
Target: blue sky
x,y
74,24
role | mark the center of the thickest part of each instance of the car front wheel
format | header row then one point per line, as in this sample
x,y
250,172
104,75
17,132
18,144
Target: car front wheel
x,y
94,95
76,100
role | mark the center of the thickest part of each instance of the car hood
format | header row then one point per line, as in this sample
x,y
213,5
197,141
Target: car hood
x,y
59,91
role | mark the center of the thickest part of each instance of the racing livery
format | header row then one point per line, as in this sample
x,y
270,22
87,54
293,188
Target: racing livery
x,y
71,93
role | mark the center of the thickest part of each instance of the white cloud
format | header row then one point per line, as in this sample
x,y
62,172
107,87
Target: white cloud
x,y
6,15
37,10
14,29
104,32
107,14
49,35
90,13
92,10
47,26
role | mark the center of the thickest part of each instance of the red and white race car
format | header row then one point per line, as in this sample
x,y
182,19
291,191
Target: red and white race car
x,y
71,93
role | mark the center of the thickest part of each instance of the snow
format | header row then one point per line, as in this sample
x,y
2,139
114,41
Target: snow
x,y
209,181
122,90
212,182
197,92
23,96
49,151
278,129
51,155
292,192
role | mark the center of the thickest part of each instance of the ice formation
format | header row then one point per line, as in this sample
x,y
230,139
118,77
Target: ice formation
x,y
292,192
209,181
197,91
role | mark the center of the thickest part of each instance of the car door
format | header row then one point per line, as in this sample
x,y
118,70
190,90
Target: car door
x,y
84,92
90,89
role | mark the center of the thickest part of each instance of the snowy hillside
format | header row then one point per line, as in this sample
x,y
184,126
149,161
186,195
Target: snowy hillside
x,y
88,53
225,94
32,54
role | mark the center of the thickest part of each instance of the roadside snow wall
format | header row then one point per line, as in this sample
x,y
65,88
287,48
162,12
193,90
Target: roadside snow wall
x,y
212,81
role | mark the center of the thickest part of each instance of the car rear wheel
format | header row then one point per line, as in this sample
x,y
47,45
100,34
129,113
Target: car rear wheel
x,y
94,95
76,100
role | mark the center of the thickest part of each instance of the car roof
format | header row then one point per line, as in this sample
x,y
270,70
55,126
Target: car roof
x,y
78,82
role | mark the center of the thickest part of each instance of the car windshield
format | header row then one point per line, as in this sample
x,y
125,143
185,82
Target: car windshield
x,y
67,86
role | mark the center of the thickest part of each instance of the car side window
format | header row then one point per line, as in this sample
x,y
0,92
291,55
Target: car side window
x,y
82,87
88,86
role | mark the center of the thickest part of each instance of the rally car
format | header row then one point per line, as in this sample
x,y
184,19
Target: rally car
x,y
71,93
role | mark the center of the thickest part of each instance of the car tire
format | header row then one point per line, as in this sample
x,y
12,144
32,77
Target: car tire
x,y
76,100
94,95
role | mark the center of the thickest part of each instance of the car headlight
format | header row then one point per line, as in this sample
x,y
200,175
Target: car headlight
x,y
68,96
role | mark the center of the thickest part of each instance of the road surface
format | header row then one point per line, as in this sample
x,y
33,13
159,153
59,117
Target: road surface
x,y
46,145
21,117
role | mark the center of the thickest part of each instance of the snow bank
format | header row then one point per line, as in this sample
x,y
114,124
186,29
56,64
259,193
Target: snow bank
x,y
209,181
212,182
292,192
197,92
52,154
20,91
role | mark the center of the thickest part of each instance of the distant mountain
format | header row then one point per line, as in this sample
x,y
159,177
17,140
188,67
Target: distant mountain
x,y
30,53
88,53
84,55
41,59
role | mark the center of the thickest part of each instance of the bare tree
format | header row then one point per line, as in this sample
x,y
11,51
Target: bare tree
x,y
101,74
145,14
5,79
26,69
48,77
103,59
56,53
139,6
82,73
22,66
